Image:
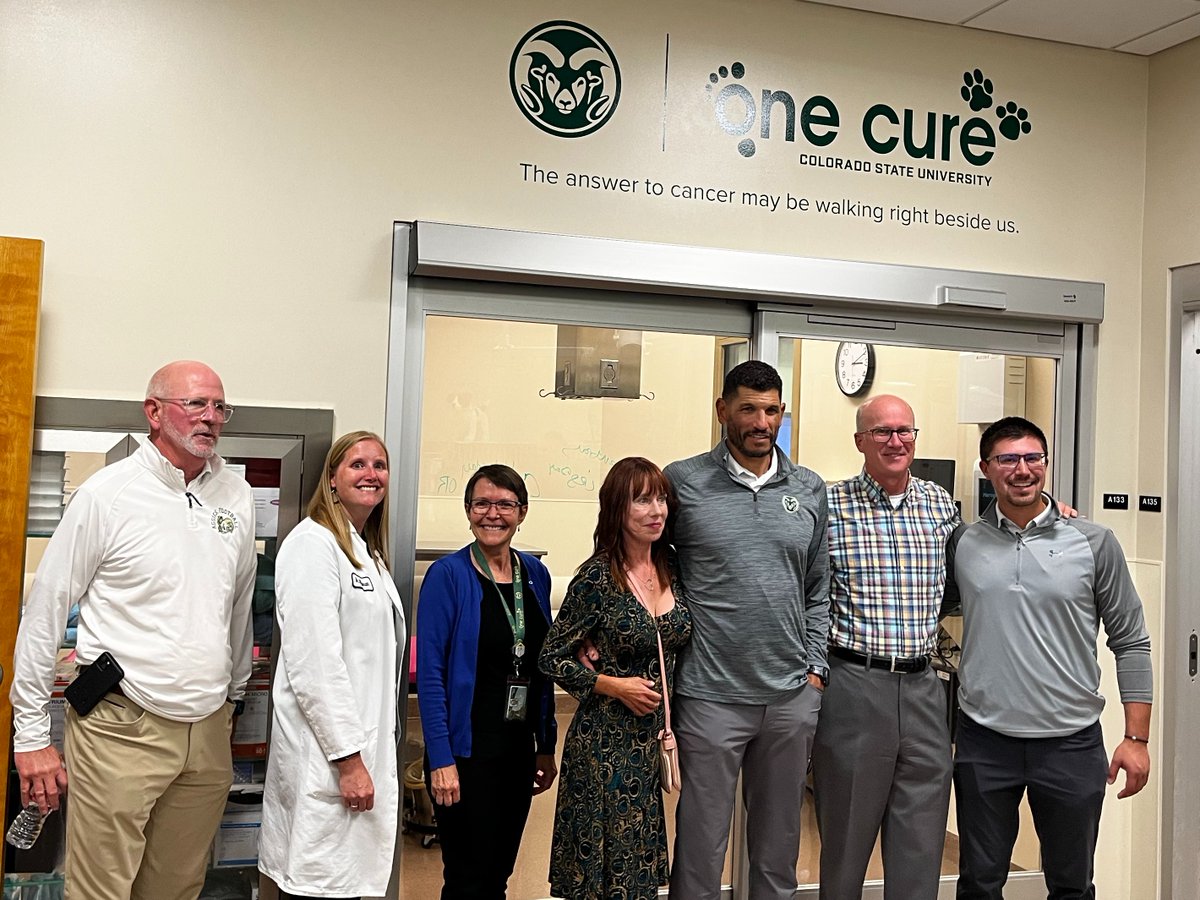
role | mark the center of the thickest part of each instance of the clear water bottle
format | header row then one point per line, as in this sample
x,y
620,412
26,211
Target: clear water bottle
x,y
26,827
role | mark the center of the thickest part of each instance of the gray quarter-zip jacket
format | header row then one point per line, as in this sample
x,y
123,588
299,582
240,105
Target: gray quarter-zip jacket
x,y
756,570
1032,603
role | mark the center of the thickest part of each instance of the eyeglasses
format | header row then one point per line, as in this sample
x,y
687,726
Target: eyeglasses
x,y
1011,460
483,507
195,407
883,435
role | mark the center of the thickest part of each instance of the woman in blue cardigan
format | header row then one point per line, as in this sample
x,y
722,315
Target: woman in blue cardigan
x,y
486,711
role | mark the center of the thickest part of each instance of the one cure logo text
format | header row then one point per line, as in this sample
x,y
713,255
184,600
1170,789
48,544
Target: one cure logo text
x,y
923,135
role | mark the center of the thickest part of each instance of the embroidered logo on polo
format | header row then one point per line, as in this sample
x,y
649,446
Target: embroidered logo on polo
x,y
223,521
361,582
790,504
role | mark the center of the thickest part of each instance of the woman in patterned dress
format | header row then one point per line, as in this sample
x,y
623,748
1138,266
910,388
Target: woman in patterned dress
x,y
610,837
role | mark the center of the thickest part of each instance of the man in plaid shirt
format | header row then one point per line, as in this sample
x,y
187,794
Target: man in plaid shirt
x,y
881,759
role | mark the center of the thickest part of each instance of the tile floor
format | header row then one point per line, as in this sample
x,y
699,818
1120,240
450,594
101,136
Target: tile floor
x,y
421,868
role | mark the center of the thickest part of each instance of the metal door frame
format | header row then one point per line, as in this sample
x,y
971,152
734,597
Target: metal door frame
x,y
1072,469
1180,716
606,281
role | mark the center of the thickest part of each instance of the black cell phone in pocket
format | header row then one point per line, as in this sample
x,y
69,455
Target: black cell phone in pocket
x,y
93,682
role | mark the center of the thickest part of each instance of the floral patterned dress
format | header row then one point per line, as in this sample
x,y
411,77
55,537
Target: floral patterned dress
x,y
610,836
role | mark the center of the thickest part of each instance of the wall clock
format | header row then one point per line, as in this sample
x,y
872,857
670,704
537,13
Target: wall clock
x,y
854,367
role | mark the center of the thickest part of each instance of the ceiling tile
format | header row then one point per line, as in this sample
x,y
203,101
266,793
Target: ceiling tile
x,y
1097,23
1164,38
947,11
1132,26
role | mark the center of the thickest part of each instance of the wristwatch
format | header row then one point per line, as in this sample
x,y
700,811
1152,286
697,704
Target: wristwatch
x,y
821,672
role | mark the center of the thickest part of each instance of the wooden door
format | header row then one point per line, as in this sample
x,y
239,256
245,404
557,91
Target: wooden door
x,y
20,296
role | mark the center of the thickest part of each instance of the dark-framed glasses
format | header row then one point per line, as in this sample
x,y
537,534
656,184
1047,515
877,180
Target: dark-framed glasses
x,y
1012,460
482,507
195,406
883,435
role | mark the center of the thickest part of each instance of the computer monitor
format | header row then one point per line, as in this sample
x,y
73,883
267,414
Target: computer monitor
x,y
939,471
985,494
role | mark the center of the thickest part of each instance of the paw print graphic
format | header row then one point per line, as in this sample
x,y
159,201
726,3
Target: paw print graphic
x,y
732,89
1014,120
977,90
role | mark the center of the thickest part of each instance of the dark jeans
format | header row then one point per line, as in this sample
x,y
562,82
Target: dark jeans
x,y
481,834
1065,778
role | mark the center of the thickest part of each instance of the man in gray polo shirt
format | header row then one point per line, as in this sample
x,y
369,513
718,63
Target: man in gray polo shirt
x,y
1035,588
750,530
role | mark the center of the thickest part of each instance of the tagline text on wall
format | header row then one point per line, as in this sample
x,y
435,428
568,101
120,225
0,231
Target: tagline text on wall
x,y
725,195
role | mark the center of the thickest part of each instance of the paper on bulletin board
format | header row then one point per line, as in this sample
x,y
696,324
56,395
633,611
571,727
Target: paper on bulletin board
x,y
266,512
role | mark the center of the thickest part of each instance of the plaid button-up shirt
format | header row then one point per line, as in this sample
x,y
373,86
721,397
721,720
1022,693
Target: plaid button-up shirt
x,y
887,565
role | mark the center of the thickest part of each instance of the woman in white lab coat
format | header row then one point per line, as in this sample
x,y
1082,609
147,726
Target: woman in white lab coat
x,y
330,804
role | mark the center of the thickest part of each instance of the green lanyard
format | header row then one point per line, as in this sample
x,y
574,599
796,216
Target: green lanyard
x,y
516,619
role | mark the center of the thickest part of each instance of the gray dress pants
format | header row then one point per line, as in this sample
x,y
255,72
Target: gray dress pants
x,y
770,745
881,766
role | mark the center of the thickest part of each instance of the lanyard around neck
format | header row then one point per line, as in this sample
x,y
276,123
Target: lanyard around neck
x,y
516,618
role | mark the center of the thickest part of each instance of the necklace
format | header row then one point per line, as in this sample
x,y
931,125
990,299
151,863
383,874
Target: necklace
x,y
651,608
647,580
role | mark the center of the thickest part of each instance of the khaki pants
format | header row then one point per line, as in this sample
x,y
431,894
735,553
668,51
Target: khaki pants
x,y
146,797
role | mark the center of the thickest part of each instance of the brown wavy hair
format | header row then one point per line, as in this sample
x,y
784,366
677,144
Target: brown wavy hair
x,y
630,477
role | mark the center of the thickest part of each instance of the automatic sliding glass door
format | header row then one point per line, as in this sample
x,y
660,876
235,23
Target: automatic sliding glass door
x,y
477,377
958,380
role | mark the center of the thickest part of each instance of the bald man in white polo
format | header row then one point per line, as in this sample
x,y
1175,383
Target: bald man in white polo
x,y
158,551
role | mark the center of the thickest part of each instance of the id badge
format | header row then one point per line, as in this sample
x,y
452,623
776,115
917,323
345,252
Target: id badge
x,y
517,704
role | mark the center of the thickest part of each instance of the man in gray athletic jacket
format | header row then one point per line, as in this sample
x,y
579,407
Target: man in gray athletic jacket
x,y
1035,588
750,531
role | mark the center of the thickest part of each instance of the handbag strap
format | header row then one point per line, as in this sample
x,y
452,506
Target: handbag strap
x,y
662,663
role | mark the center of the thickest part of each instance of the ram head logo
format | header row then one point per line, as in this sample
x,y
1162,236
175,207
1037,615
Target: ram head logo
x,y
565,79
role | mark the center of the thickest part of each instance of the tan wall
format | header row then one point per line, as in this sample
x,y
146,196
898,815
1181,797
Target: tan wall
x,y
1171,238
218,180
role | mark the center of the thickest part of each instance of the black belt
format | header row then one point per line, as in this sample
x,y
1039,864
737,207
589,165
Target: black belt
x,y
905,665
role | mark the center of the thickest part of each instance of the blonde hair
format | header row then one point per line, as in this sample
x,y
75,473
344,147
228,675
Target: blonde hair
x,y
325,510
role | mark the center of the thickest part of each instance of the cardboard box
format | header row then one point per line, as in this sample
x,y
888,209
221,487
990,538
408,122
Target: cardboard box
x,y
250,733
236,843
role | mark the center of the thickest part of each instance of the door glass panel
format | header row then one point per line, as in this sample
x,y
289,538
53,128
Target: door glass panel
x,y
955,396
494,392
